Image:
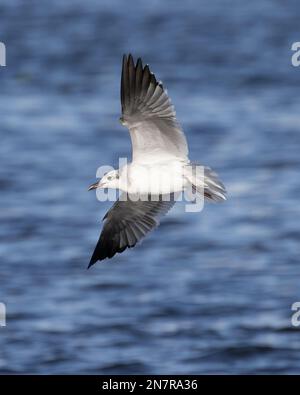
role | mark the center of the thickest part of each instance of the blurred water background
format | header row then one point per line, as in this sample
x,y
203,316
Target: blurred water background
x,y
205,293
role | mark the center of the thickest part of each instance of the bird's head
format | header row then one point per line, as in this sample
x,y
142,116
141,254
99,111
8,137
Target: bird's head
x,y
109,180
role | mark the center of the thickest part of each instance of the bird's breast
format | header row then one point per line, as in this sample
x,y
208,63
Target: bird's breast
x,y
155,179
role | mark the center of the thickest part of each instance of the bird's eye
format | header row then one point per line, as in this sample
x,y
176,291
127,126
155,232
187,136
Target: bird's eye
x,y
109,178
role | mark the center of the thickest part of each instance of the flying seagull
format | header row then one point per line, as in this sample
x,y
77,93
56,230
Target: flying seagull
x,y
159,169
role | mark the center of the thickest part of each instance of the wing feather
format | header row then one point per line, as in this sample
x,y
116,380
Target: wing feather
x,y
127,222
148,113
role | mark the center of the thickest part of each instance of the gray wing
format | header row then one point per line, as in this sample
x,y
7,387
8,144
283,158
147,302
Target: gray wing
x,y
149,115
127,222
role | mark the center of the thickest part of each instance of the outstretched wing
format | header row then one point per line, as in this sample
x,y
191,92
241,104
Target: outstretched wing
x,y
149,115
127,222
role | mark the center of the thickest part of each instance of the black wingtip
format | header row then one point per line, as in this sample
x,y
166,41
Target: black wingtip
x,y
147,69
131,67
95,257
91,264
139,62
130,58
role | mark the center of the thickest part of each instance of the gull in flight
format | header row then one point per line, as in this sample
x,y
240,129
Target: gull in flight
x,y
159,169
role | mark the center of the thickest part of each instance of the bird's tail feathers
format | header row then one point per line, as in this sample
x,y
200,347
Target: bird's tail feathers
x,y
206,183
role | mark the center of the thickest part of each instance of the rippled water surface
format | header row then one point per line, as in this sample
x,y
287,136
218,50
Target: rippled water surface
x,y
205,293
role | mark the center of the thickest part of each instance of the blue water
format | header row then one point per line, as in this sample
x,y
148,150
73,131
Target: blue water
x,y
205,293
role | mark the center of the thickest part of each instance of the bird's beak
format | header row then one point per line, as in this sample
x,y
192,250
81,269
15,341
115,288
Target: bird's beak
x,y
96,185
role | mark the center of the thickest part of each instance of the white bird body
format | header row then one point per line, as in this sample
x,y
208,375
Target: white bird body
x,y
158,178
